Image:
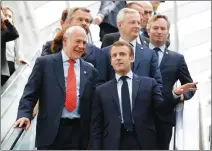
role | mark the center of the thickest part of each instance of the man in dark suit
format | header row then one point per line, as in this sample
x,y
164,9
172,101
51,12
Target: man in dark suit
x,y
110,38
94,55
125,119
145,64
173,68
64,85
106,17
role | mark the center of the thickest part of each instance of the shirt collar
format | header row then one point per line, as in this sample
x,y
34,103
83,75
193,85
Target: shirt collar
x,y
162,48
66,58
129,75
132,42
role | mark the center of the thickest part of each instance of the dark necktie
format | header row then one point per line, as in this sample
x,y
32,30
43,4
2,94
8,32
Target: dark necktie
x,y
132,65
156,49
126,107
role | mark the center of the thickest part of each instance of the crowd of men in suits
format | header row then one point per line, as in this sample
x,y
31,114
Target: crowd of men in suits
x,y
118,97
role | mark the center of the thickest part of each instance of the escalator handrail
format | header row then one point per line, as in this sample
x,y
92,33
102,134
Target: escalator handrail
x,y
12,79
12,138
15,75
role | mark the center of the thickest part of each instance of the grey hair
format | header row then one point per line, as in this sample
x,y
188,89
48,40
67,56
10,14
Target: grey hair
x,y
71,12
70,30
121,14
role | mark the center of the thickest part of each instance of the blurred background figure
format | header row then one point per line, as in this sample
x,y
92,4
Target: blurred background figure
x,y
8,33
156,5
13,50
148,9
106,17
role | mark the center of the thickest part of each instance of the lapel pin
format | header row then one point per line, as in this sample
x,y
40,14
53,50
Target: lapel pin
x,y
141,47
144,41
84,72
167,53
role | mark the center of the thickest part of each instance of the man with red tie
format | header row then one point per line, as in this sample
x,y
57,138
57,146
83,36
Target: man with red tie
x,y
64,84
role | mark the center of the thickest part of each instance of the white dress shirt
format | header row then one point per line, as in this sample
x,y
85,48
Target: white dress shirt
x,y
119,86
160,53
66,64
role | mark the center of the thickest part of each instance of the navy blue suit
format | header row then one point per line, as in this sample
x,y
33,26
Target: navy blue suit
x,y
47,84
145,64
173,68
106,115
94,55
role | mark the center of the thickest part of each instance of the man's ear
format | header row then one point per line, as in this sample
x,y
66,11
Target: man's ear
x,y
132,58
61,23
65,40
118,24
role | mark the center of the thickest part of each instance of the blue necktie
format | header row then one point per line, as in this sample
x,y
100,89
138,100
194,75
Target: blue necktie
x,y
126,107
156,49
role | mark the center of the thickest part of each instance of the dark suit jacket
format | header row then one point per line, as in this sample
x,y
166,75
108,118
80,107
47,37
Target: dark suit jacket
x,y
145,64
106,116
109,39
8,34
173,68
94,55
110,10
47,84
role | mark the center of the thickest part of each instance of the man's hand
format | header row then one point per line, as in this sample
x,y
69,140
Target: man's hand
x,y
22,122
98,20
2,16
22,61
35,110
185,88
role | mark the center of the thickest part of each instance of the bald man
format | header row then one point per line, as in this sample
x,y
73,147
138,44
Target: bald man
x,y
65,85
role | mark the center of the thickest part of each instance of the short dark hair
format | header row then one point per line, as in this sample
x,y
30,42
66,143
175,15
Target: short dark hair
x,y
123,43
73,10
64,14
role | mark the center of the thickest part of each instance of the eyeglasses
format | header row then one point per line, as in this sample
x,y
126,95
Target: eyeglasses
x,y
147,12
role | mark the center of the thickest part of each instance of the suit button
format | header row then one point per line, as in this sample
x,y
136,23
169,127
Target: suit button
x,y
119,117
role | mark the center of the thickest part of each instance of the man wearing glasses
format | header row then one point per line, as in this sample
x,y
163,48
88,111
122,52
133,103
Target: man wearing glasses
x,y
148,10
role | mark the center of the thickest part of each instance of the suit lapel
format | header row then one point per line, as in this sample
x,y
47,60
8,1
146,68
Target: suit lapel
x,y
165,56
135,87
115,94
83,76
138,53
58,70
144,41
89,50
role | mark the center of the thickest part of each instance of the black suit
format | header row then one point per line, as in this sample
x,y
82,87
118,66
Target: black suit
x,y
110,38
94,55
106,114
47,84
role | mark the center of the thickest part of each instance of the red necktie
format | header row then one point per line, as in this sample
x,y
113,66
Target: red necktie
x,y
71,92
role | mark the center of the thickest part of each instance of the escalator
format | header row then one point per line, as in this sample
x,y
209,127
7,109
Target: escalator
x,y
11,92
